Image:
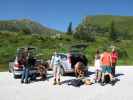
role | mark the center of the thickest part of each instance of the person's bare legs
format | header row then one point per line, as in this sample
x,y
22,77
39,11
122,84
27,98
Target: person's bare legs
x,y
102,79
96,75
55,75
58,75
99,75
111,79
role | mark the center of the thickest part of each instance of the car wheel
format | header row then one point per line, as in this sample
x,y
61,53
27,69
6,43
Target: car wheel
x,y
16,76
62,71
10,70
86,73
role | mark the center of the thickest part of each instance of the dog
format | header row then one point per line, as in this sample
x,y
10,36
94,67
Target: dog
x,y
42,70
79,71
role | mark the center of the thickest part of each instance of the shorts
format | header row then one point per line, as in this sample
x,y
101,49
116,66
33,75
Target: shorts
x,y
106,69
56,69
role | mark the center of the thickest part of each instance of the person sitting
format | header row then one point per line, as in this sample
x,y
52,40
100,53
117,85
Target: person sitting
x,y
27,66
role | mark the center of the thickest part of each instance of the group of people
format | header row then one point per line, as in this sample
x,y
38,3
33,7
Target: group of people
x,y
105,63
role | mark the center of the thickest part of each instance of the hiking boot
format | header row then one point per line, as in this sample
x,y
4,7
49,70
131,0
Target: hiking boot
x,y
22,81
26,81
112,83
54,82
96,81
102,83
59,83
99,81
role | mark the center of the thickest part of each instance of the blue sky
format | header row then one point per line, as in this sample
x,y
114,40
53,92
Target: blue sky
x,y
58,13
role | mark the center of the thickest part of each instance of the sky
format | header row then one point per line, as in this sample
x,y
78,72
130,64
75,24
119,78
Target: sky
x,y
57,14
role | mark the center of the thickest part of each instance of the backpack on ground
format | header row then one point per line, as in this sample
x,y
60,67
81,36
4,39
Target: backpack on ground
x,y
76,82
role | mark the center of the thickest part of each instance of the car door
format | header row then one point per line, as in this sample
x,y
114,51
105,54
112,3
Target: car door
x,y
65,63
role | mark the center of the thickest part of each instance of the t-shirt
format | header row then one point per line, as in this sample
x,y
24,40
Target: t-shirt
x,y
97,62
56,60
114,56
106,59
97,56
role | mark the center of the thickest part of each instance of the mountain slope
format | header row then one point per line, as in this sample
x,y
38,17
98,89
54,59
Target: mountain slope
x,y
102,23
27,26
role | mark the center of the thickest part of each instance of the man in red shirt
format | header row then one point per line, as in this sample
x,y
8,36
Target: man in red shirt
x,y
114,56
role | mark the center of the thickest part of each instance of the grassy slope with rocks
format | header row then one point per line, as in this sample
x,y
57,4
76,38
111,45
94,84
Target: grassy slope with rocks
x,y
47,40
98,29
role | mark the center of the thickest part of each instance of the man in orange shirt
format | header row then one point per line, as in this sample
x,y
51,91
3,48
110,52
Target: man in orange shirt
x,y
106,63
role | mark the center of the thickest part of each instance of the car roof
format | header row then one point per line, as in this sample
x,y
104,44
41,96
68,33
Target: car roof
x,y
72,53
26,47
62,53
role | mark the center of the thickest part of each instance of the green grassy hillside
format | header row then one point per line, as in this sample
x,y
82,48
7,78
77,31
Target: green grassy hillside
x,y
106,30
94,31
10,41
123,25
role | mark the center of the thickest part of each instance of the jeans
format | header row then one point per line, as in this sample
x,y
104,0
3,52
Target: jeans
x,y
113,69
25,75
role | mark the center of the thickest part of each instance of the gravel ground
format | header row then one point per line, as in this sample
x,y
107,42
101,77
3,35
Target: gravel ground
x,y
12,89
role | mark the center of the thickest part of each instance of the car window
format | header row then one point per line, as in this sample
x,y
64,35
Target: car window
x,y
63,57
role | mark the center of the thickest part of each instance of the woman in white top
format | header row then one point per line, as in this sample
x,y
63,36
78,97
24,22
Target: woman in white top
x,y
97,66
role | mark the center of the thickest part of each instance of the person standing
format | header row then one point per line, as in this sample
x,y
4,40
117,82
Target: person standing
x,y
56,62
97,66
106,63
114,56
